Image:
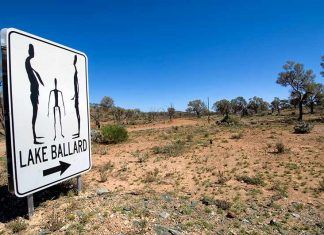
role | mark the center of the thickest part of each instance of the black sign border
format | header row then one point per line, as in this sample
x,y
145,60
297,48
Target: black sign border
x,y
9,120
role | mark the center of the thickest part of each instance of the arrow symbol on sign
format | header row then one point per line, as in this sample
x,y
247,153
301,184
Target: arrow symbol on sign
x,y
60,168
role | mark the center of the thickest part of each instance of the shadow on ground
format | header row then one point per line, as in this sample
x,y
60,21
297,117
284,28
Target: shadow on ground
x,y
12,207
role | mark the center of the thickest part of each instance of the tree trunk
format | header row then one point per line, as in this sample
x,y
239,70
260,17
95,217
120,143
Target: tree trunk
x,y
300,106
312,107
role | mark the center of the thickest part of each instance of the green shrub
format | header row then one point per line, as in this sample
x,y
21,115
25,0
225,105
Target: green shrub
x,y
114,134
303,127
230,120
222,204
254,180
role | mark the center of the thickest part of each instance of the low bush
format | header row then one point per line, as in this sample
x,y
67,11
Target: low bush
x,y
151,176
222,204
114,134
172,150
222,178
303,127
17,225
237,136
96,136
280,147
254,180
230,120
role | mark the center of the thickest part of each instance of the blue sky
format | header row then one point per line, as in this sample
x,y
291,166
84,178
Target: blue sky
x,y
148,54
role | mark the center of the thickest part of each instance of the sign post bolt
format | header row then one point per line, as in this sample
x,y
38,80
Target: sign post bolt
x,y
30,203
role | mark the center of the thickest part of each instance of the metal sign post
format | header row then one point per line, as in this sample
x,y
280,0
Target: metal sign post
x,y
79,184
30,204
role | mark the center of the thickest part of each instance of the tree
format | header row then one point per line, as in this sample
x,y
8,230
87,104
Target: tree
x,y
275,104
96,115
295,76
322,65
315,95
293,101
118,114
197,106
131,115
238,105
257,104
223,107
284,104
171,112
107,102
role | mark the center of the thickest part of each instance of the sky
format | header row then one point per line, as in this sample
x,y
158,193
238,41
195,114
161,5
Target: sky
x,y
149,54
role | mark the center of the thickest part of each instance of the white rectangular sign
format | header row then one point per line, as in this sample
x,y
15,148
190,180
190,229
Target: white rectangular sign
x,y
47,107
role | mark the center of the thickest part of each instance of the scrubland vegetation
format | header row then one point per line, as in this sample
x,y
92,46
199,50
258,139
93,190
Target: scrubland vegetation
x,y
246,167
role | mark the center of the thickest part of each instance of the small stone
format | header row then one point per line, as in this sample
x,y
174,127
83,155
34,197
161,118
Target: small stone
x,y
102,191
161,230
230,215
193,204
166,198
79,213
174,232
44,232
65,227
245,221
295,215
164,215
127,209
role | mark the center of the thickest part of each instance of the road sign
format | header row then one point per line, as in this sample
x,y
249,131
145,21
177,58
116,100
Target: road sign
x,y
47,111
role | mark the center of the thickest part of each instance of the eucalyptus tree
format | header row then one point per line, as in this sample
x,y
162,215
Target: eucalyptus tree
x,y
298,79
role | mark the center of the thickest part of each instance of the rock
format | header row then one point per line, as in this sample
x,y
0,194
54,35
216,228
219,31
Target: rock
x,y
160,230
65,227
79,213
127,209
44,232
166,198
245,221
230,215
295,215
193,204
174,232
164,215
102,191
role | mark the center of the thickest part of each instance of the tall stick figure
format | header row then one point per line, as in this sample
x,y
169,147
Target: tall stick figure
x,y
76,97
34,78
56,93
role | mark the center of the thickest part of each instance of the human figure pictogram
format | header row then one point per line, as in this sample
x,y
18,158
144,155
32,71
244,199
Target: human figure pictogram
x,y
76,97
57,107
34,78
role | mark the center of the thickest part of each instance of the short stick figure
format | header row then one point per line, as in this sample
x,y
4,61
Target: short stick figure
x,y
56,93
